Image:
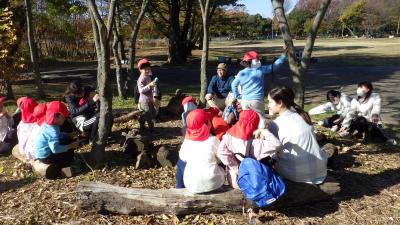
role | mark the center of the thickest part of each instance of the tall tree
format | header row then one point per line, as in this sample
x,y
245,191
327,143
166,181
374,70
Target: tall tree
x,y
119,54
33,49
299,69
102,34
205,7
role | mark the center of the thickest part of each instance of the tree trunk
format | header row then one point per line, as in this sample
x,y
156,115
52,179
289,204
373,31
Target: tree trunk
x,y
100,197
299,71
8,88
118,51
33,50
102,35
176,55
398,26
133,37
205,7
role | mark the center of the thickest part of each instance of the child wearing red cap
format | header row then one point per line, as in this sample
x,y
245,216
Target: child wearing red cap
x,y
251,81
146,100
47,146
5,126
39,113
237,139
197,167
26,105
189,104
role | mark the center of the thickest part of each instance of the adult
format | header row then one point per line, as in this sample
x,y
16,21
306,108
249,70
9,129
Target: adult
x,y
219,89
301,159
339,104
83,111
251,81
364,115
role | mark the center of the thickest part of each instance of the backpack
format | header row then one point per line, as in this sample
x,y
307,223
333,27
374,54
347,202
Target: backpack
x,y
257,181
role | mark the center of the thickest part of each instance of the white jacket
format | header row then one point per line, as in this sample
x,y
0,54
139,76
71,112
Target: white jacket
x,y
301,159
364,108
342,108
202,173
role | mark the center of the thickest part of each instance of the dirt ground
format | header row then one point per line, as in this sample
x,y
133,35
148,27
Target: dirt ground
x,y
369,174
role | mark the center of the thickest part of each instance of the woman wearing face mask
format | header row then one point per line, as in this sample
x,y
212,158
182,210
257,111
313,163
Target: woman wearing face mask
x,y
364,115
338,103
301,159
251,81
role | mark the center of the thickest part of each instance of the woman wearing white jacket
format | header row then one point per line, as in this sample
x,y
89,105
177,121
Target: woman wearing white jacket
x,y
364,115
338,103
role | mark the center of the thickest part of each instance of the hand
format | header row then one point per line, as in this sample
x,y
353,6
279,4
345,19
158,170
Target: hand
x,y
342,129
337,121
209,96
96,97
374,118
152,84
92,94
73,145
257,133
285,50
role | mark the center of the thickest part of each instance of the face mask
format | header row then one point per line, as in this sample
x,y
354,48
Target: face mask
x,y
255,63
360,92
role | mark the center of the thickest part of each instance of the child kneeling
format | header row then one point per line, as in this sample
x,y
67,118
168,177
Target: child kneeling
x,y
47,146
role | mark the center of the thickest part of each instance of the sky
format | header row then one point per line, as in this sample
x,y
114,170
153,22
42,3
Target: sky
x,y
262,7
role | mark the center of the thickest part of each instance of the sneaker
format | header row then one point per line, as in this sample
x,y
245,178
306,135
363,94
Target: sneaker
x,y
335,128
321,123
391,141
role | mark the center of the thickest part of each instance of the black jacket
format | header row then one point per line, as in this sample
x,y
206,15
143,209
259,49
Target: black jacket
x,y
87,110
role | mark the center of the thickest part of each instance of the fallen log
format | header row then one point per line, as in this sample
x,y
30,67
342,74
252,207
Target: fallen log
x,y
130,116
101,197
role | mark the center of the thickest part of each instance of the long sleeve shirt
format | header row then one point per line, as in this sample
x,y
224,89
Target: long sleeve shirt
x,y
260,148
202,173
146,92
251,80
48,142
364,108
342,108
87,110
220,86
301,159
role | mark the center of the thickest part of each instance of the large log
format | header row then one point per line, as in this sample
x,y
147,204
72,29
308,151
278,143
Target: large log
x,y
130,116
101,197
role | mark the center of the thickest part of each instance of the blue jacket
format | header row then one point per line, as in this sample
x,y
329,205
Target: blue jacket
x,y
48,142
220,86
252,80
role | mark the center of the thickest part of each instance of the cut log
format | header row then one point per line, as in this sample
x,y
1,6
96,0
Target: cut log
x,y
130,116
101,197
44,170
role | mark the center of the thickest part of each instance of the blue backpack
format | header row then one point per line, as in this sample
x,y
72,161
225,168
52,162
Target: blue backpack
x,y
258,182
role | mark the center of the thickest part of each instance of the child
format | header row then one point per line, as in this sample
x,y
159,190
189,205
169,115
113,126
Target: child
x,y
339,103
251,80
47,146
146,101
231,113
364,115
189,104
24,129
197,166
5,128
236,141
39,113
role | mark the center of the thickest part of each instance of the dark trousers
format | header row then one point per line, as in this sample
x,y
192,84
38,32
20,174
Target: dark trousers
x,y
62,160
180,169
148,115
5,148
328,122
371,130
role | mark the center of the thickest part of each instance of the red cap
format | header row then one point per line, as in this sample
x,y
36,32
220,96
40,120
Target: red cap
x,y
141,62
27,105
196,127
247,124
40,113
219,127
53,108
1,100
188,99
213,111
250,55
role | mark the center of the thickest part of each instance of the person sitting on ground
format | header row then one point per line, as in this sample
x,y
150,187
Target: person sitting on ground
x,y
189,104
26,105
197,167
83,110
6,122
239,137
338,103
301,159
39,113
251,81
231,113
218,126
47,146
364,115
146,100
219,90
